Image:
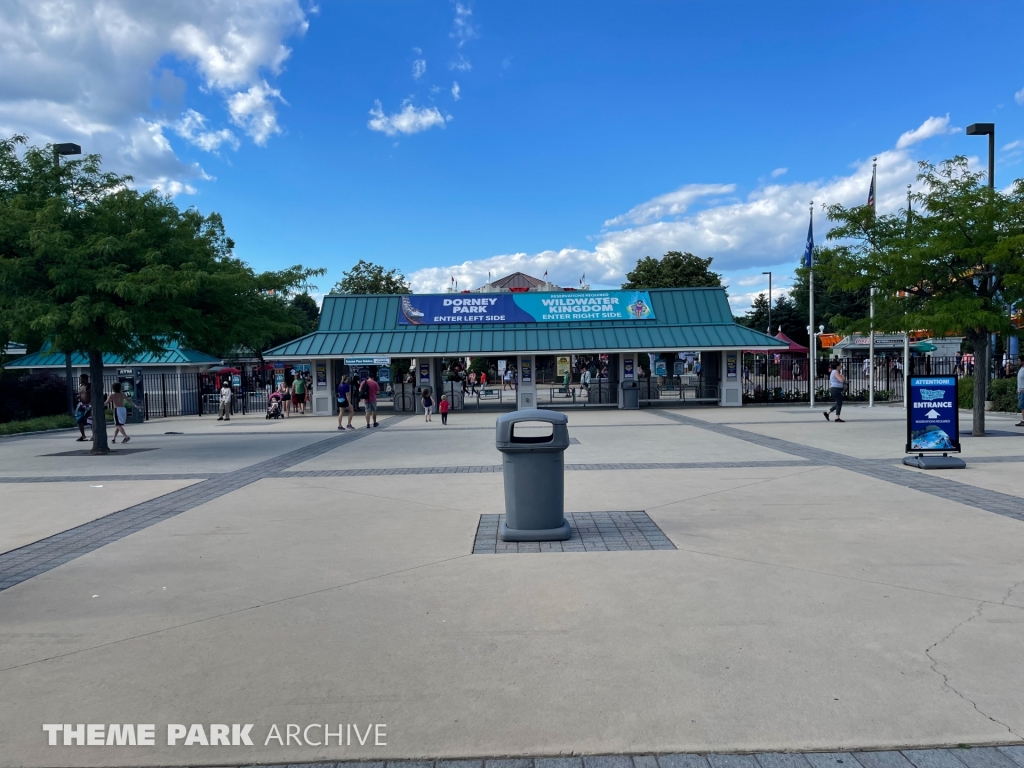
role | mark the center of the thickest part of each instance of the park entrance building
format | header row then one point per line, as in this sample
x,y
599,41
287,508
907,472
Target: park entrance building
x,y
615,328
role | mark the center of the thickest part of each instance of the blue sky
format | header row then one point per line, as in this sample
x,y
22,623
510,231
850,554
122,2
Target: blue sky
x,y
581,137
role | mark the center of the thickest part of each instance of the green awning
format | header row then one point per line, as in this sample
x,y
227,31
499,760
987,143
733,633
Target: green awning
x,y
172,354
686,318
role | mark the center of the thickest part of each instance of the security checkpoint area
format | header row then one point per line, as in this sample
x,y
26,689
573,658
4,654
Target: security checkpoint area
x,y
618,349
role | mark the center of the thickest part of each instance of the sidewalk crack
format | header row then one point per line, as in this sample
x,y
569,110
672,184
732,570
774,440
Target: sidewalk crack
x,y
945,678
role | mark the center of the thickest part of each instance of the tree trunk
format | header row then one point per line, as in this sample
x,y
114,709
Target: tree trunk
x,y
99,415
981,365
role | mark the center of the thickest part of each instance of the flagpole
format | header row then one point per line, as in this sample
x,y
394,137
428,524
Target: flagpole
x,y
906,332
812,373
871,338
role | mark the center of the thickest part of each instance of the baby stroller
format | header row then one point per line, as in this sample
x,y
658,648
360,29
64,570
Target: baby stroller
x,y
274,407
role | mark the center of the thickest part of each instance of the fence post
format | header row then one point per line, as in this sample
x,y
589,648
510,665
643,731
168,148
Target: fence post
x,y
199,393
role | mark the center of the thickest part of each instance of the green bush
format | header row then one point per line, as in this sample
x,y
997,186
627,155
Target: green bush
x,y
39,424
966,392
1002,391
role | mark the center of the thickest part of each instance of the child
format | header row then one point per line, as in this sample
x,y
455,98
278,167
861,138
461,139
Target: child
x,y
115,401
428,404
443,408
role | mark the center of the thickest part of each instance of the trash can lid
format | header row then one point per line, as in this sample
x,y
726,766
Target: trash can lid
x,y
506,439
533,414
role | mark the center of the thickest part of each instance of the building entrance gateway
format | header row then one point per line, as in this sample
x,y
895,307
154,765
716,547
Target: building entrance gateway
x,y
602,337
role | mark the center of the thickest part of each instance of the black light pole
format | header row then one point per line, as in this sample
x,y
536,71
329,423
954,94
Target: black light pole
x,y
769,301
987,129
58,150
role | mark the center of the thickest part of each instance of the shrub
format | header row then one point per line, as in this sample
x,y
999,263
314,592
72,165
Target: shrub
x,y
37,425
1002,391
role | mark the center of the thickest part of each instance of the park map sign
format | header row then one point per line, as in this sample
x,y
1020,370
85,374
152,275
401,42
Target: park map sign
x,y
570,306
933,421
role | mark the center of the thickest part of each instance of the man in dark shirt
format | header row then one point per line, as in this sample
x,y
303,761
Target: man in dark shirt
x,y
83,410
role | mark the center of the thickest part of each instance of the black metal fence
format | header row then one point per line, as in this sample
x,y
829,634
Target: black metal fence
x,y
789,379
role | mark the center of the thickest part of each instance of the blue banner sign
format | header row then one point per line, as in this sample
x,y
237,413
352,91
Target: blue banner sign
x,y
567,306
933,421
367,360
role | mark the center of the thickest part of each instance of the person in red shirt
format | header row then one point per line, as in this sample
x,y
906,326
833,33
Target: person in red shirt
x,y
369,389
442,407
483,380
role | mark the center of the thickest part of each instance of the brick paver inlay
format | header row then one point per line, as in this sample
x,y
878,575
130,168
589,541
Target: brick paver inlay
x,y
591,532
22,564
967,757
930,482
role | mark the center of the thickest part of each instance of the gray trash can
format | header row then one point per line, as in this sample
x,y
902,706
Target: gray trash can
x,y
533,468
630,395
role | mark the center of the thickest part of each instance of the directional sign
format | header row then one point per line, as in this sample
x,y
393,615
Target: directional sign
x,y
933,421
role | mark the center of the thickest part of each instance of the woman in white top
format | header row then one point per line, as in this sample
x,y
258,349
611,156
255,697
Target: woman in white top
x,y
836,382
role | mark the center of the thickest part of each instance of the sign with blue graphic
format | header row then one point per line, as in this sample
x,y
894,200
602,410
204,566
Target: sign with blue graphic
x,y
567,306
933,421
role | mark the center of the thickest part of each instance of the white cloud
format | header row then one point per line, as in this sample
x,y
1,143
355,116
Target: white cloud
x,y
253,111
463,29
89,71
1019,97
461,64
671,204
779,172
419,69
456,91
766,229
192,128
1012,145
933,126
408,121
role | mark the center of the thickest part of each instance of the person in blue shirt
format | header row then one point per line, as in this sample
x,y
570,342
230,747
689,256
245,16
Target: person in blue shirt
x,y
345,403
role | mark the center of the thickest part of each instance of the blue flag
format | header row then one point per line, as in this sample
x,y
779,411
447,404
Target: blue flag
x,y
808,258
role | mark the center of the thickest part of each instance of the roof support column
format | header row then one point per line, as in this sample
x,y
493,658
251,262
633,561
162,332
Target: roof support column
x,y
730,386
526,393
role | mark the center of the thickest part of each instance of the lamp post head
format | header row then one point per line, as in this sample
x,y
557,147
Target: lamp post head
x,y
981,129
67,149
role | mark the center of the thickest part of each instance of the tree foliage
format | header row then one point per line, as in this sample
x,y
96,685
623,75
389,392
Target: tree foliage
x,y
91,265
954,265
673,270
368,278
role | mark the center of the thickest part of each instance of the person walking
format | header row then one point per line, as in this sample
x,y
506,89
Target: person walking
x,y
83,409
428,404
472,382
299,395
368,390
344,403
443,408
1020,390
836,382
286,398
115,401
585,383
225,401
507,384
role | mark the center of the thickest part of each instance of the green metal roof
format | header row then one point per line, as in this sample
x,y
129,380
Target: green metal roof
x,y
173,354
687,318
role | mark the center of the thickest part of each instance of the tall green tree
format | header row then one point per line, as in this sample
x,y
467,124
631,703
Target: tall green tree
x,y
954,265
306,305
264,316
673,270
91,265
368,278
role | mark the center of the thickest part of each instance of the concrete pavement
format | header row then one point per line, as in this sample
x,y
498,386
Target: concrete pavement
x,y
807,607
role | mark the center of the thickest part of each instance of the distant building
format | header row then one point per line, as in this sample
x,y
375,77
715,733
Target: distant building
x,y
520,282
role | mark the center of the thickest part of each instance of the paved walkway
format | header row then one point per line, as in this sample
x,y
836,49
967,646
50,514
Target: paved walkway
x,y
807,593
